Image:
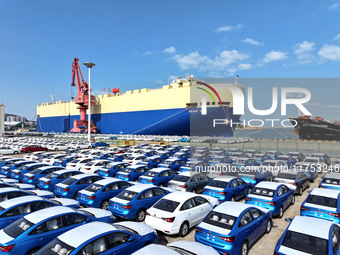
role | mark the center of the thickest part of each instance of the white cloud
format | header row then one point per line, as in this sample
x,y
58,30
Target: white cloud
x,y
333,6
337,37
170,50
244,66
303,52
228,28
223,61
274,56
252,41
147,53
330,52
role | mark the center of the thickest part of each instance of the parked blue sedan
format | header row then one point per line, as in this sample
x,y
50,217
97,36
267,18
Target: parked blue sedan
x,y
289,160
112,169
34,176
227,188
132,173
323,204
18,207
7,170
255,175
19,173
102,238
330,181
306,235
133,202
49,181
29,233
173,163
99,144
69,188
99,193
232,227
274,196
64,161
152,162
158,176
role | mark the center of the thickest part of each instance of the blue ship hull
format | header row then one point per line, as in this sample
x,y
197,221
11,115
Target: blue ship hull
x,y
180,121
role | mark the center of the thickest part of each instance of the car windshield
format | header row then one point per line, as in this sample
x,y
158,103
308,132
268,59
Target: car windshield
x,y
94,187
127,195
18,227
55,247
181,178
75,161
147,159
166,205
220,220
305,243
35,171
51,176
150,174
331,181
69,181
89,163
218,184
124,228
323,201
263,192
286,176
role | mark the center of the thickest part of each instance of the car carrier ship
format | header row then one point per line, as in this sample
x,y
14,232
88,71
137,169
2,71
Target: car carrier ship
x,y
174,109
316,128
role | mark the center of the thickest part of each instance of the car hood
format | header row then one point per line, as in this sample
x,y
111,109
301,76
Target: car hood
x,y
141,228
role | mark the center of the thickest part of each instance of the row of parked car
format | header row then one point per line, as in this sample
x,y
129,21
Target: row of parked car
x,y
221,222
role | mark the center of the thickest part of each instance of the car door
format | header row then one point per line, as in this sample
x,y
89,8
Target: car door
x,y
280,196
243,186
247,226
146,199
287,196
203,207
188,212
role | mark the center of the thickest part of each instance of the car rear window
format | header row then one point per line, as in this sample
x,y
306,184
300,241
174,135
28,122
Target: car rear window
x,y
35,171
305,243
54,248
166,205
263,192
18,227
75,161
331,181
94,187
50,176
150,174
128,170
220,220
323,201
218,184
181,178
286,176
127,195
69,181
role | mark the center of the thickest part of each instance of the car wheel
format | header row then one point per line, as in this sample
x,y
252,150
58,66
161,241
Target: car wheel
x,y
281,212
15,152
140,215
105,204
232,199
184,229
269,226
300,191
56,149
293,200
32,251
194,191
244,248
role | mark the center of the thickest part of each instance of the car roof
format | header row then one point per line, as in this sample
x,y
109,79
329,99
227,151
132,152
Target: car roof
x,y
135,166
272,160
158,170
333,175
225,179
232,208
8,189
141,187
107,180
47,167
180,196
188,173
43,214
268,185
64,171
18,200
311,226
85,232
79,176
332,193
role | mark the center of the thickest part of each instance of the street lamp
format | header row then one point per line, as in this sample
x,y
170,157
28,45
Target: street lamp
x,y
89,65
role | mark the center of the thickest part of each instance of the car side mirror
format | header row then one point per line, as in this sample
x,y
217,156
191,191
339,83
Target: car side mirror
x,y
288,219
131,238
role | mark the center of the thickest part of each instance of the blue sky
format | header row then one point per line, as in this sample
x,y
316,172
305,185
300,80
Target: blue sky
x,y
138,43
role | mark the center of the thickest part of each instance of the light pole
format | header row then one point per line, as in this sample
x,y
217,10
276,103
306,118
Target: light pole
x,y
89,65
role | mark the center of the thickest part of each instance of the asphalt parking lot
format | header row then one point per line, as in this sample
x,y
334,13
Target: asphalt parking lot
x,y
266,244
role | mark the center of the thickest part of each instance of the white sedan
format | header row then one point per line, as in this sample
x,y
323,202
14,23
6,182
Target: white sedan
x,y
8,150
177,212
135,159
77,163
53,158
93,166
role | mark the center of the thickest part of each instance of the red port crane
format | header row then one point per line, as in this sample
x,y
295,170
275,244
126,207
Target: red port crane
x,y
82,99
